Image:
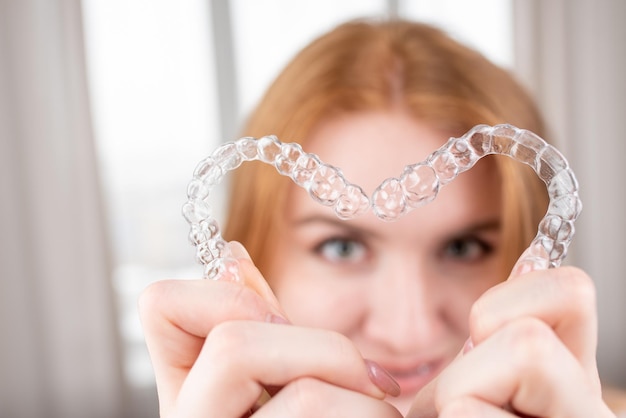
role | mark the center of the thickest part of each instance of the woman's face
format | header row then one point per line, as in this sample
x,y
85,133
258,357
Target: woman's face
x,y
401,291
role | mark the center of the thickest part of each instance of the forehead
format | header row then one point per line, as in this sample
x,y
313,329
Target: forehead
x,y
372,146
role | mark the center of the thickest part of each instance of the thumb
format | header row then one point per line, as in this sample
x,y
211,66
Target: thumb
x,y
535,257
253,278
424,404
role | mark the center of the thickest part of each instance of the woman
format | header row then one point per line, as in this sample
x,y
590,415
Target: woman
x,y
418,306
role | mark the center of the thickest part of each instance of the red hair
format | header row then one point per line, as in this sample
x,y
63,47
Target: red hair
x,y
365,65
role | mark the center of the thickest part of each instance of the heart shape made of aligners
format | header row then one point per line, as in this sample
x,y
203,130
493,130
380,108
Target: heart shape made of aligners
x,y
417,185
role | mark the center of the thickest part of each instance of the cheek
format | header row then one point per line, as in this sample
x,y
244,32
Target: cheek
x,y
310,300
459,298
456,310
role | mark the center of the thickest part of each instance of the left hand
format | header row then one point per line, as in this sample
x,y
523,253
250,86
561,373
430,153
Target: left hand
x,y
534,341
216,345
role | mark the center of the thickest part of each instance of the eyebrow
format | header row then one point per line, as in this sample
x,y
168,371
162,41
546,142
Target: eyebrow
x,y
335,222
478,227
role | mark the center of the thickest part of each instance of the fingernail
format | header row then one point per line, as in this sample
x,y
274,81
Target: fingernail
x,y
533,258
468,346
238,250
382,378
522,267
276,319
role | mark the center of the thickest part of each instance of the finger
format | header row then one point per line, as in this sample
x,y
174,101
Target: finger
x,y
563,298
308,397
535,257
177,315
241,357
252,276
525,365
423,405
469,407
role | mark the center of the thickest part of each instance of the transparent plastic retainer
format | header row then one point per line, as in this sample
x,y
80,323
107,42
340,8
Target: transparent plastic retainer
x,y
417,185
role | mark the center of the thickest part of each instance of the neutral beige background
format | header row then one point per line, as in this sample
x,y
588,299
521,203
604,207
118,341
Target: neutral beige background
x,y
572,53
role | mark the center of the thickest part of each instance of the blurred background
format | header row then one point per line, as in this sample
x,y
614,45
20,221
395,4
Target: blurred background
x,y
106,106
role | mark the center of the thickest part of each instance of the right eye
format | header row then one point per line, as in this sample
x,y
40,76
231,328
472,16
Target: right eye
x,y
342,250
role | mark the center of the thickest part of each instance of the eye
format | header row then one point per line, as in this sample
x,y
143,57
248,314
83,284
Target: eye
x,y
342,250
467,249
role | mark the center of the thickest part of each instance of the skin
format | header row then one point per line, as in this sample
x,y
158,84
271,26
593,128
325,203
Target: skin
x,y
401,291
406,295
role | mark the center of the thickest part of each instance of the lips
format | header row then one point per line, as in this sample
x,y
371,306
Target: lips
x,y
412,379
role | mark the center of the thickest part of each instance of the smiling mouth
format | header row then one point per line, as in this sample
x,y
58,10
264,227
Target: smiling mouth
x,y
412,380
422,370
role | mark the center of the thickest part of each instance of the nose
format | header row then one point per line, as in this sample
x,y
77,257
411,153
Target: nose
x,y
406,312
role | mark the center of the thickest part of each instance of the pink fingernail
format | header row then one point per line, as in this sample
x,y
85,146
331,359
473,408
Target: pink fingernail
x,y
238,250
522,267
276,319
382,378
468,346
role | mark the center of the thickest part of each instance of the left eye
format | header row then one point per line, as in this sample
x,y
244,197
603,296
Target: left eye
x,y
467,249
342,250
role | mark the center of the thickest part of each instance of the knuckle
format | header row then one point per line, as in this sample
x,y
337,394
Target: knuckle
x,y
225,343
462,408
154,297
342,346
481,320
303,396
531,342
578,288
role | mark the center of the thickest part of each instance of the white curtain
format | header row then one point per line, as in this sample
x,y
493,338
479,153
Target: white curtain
x,y
59,348
572,54
59,351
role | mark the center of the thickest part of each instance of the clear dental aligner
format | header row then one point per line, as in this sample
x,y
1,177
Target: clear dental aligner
x,y
417,185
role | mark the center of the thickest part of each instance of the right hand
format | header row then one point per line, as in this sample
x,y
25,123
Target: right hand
x,y
216,346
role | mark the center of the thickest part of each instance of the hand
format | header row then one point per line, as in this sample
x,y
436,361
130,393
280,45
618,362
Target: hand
x,y
217,345
531,353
